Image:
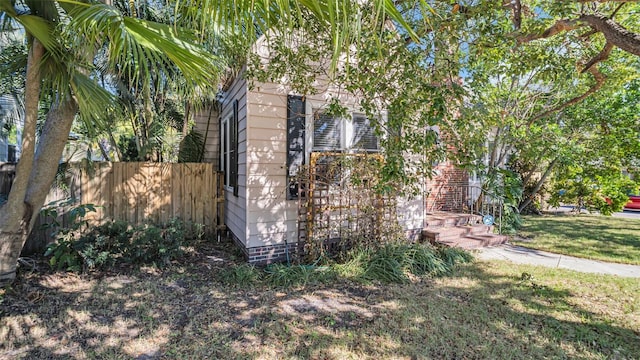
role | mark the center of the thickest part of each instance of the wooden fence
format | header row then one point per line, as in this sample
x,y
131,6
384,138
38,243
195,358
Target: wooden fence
x,y
139,193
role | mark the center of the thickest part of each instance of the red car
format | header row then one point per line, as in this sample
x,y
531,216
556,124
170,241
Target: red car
x,y
634,203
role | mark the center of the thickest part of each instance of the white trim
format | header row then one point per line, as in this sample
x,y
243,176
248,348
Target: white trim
x,y
225,159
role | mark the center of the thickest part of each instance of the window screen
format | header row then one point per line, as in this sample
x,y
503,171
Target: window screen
x,y
327,132
364,137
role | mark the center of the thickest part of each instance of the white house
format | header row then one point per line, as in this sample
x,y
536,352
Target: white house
x,y
266,133
262,134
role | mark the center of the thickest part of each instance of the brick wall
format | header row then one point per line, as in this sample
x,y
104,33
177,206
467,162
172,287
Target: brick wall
x,y
447,188
269,254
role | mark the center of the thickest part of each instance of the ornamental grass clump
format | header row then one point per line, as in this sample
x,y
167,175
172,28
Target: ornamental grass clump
x,y
393,263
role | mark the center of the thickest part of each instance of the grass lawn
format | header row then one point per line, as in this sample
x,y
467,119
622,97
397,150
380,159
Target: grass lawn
x,y
483,311
596,237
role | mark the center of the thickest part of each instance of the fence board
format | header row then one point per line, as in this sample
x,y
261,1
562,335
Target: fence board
x,y
107,211
103,181
130,185
186,193
208,185
137,193
153,177
165,198
198,210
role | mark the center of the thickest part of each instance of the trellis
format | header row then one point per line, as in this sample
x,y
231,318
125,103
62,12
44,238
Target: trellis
x,y
342,204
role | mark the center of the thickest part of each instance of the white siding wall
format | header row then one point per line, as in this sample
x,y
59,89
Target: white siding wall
x,y
209,118
271,218
411,212
236,206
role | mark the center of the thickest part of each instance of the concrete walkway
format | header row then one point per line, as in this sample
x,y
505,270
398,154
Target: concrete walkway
x,y
521,255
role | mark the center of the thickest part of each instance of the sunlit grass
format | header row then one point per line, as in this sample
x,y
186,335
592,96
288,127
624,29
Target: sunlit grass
x,y
489,310
603,238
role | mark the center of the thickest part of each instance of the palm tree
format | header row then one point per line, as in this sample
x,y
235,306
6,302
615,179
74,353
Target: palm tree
x,y
59,63
64,36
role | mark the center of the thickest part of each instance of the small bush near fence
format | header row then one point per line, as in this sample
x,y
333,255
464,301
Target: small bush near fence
x,y
81,247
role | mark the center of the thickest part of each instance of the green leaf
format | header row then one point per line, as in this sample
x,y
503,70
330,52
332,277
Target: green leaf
x,y
42,30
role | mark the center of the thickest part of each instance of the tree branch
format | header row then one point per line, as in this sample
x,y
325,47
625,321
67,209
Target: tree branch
x,y
615,33
603,55
588,34
600,79
516,8
616,10
558,27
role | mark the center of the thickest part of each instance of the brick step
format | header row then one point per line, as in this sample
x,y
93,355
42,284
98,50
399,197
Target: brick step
x,y
440,221
476,241
453,232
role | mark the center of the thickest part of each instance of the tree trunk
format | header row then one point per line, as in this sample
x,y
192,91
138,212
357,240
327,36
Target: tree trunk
x,y
16,215
16,228
206,135
114,144
541,182
103,151
150,152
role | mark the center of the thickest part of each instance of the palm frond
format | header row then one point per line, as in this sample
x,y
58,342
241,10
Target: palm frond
x,y
42,30
342,19
96,104
138,48
44,9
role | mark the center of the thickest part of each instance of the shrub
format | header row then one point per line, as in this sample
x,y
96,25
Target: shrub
x,y
64,255
425,260
392,263
117,242
386,265
603,192
65,252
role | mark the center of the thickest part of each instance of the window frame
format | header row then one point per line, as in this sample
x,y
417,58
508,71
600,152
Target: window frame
x,y
225,143
346,134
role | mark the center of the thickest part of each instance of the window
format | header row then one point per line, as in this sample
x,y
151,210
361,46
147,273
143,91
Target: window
x,y
310,129
229,151
337,133
225,159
